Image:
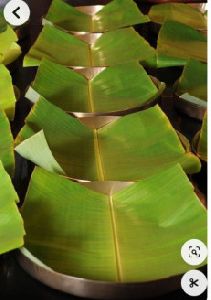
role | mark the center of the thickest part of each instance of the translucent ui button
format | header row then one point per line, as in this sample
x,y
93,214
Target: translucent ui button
x,y
194,252
16,12
194,283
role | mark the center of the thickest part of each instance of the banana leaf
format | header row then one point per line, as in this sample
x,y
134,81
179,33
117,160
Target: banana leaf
x,y
114,15
130,148
11,224
116,88
178,43
106,49
9,49
178,12
200,140
6,144
3,23
193,83
123,237
7,94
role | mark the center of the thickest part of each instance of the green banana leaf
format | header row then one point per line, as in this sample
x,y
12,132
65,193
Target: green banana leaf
x,y
11,224
134,235
193,82
177,43
109,49
130,148
114,15
7,94
112,89
3,23
200,140
179,12
9,49
6,144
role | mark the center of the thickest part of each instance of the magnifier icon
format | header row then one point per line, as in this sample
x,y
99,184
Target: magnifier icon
x,y
194,252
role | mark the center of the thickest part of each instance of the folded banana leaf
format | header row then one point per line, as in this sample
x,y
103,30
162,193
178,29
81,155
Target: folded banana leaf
x,y
7,94
178,43
11,224
9,49
3,23
111,89
134,235
200,140
100,50
192,84
179,12
114,15
130,148
6,144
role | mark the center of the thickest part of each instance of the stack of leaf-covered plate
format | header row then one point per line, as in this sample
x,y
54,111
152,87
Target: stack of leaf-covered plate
x,y
84,63
109,204
182,41
11,223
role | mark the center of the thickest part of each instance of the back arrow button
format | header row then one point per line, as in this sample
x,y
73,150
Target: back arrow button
x,y
15,12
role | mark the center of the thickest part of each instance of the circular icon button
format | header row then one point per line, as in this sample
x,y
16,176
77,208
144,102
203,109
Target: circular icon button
x,y
194,252
16,12
194,283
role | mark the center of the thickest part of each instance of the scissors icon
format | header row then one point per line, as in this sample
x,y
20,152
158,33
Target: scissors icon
x,y
193,282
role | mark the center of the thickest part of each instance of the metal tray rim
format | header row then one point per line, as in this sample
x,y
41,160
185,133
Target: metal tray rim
x,y
94,289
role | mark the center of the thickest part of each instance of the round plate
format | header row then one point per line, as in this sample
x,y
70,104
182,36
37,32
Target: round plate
x,y
190,109
94,289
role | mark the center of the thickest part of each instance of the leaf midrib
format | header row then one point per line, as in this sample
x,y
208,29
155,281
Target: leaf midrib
x,y
115,239
99,163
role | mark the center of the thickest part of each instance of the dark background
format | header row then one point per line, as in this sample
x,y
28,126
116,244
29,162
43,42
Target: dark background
x,y
14,282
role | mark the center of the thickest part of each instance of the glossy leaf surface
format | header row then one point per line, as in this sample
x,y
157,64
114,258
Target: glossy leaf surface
x,y
113,89
109,49
6,144
114,15
179,12
177,43
200,140
7,95
11,224
9,49
193,81
113,237
130,148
